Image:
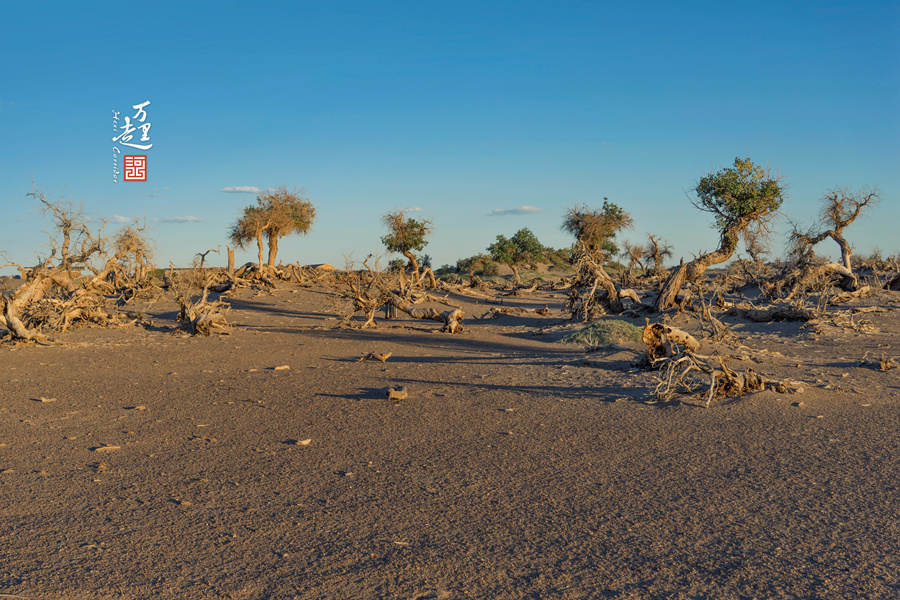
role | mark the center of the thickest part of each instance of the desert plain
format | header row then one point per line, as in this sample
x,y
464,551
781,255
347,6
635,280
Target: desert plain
x,y
266,460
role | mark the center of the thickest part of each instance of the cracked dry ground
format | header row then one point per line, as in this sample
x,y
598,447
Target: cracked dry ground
x,y
144,464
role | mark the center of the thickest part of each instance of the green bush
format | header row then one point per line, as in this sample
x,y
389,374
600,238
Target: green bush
x,y
481,264
558,258
605,331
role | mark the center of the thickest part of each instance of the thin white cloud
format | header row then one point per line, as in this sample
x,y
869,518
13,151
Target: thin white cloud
x,y
519,210
414,209
243,189
119,219
185,219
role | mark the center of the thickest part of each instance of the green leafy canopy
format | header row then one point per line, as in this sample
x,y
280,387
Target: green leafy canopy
x,y
522,247
405,235
739,194
597,228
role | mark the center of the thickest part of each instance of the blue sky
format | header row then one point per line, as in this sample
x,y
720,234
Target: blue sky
x,y
464,111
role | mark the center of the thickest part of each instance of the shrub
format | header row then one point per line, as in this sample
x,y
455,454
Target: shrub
x,y
480,264
605,331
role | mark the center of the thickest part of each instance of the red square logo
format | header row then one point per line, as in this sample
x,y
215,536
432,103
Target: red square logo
x,y
135,168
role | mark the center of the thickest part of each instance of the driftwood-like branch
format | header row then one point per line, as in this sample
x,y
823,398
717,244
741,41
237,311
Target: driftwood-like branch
x,y
662,341
515,310
451,318
689,372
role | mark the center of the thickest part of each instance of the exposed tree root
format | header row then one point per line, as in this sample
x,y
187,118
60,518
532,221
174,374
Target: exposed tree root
x,y
689,373
201,316
662,341
451,318
682,370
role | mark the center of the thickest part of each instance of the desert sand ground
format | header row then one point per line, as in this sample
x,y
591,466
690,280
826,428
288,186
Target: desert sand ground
x,y
142,463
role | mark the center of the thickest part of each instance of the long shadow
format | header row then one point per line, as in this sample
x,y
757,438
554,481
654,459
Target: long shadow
x,y
603,393
469,360
378,393
275,310
460,344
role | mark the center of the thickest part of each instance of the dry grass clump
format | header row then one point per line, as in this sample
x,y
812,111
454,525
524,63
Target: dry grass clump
x,y
605,331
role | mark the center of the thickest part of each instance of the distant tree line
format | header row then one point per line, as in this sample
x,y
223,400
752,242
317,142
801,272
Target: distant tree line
x,y
743,199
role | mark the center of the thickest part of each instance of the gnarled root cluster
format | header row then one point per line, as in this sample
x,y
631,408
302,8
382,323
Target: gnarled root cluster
x,y
673,352
662,341
690,373
56,296
201,316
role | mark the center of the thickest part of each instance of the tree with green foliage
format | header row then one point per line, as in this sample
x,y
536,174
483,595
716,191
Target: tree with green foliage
x,y
522,248
290,212
596,229
277,213
251,225
480,264
744,200
405,236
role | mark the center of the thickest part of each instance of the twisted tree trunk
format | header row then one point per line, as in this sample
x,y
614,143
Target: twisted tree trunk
x,y
696,268
412,262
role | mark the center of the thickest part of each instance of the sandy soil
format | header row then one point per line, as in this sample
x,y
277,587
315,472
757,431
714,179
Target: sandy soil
x,y
140,463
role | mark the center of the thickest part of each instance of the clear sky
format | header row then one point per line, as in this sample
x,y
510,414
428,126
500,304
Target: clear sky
x,y
462,111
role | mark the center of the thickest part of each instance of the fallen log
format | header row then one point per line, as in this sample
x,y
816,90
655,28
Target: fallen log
x,y
777,313
451,318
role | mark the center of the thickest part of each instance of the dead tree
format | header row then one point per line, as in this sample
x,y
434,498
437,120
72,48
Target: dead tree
x,y
657,250
76,282
230,267
202,256
634,253
198,315
839,209
894,284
